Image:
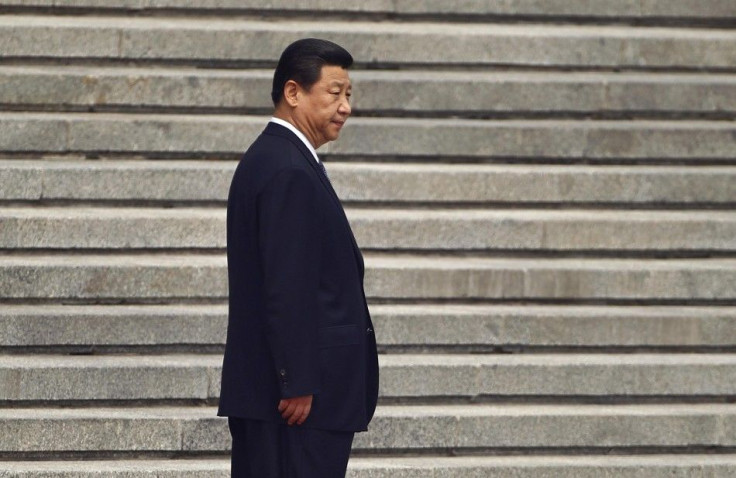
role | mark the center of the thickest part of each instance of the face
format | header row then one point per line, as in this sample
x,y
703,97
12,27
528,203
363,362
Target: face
x,y
321,112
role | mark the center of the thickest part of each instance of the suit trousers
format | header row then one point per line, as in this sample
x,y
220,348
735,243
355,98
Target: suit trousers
x,y
271,450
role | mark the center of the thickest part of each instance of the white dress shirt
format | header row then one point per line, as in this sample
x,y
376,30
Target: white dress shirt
x,y
298,134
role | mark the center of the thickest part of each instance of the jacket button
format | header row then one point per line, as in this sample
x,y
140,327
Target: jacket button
x,y
369,330
282,372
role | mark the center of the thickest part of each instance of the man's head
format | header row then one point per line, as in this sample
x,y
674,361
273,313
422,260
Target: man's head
x,y
311,88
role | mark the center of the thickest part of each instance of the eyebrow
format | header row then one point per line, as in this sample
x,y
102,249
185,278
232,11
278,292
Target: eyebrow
x,y
340,83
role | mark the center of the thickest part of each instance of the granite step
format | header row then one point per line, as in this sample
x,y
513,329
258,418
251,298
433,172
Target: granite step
x,y
189,181
385,93
52,378
173,277
573,9
420,326
380,138
399,428
591,466
218,41
384,229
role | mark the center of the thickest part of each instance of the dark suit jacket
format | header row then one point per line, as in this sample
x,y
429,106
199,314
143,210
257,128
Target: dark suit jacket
x,y
298,319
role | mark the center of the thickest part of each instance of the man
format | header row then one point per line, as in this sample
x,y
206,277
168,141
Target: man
x,y
300,373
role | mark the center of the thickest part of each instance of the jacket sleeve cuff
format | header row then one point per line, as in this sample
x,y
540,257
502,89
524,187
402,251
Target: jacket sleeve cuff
x,y
297,376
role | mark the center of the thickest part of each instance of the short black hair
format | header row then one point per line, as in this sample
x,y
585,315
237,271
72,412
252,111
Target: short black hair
x,y
302,61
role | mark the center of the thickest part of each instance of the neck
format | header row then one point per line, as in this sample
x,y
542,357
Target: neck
x,y
288,117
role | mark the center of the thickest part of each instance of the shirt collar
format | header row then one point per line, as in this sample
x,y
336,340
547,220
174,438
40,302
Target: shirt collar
x,y
298,134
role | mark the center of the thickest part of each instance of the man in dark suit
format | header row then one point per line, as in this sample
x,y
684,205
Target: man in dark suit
x,y
300,373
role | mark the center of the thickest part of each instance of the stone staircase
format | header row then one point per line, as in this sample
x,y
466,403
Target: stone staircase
x,y
545,193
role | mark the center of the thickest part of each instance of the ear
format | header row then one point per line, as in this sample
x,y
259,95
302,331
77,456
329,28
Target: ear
x,y
291,93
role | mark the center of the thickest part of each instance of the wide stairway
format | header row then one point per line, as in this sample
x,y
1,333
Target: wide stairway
x,y
545,194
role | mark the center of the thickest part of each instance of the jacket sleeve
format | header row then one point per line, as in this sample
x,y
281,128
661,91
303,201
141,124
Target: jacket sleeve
x,y
289,244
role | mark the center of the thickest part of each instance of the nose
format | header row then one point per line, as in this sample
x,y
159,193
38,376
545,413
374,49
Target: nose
x,y
344,108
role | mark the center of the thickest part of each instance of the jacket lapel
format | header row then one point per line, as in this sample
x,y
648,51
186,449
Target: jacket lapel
x,y
278,130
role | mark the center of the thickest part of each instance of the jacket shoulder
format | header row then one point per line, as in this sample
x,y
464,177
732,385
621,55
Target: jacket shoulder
x,y
268,156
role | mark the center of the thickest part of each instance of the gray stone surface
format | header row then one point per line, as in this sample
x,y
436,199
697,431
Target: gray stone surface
x,y
381,137
32,133
437,183
163,468
551,139
483,229
210,40
421,427
107,277
536,425
210,134
385,92
94,40
560,375
595,466
176,276
396,325
549,325
117,228
97,429
186,180
477,278
190,180
51,378
602,8
94,87
111,325
20,183
587,71
383,229
521,93
197,377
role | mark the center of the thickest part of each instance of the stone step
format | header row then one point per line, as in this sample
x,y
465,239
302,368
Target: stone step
x,y
397,428
50,378
236,41
209,181
467,93
383,229
550,466
654,9
430,139
166,277
427,326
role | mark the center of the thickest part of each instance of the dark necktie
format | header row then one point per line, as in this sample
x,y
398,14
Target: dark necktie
x,y
324,170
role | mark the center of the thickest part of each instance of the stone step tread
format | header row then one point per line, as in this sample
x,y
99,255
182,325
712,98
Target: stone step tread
x,y
227,40
233,23
725,410
174,276
260,120
585,466
441,262
208,361
381,228
379,260
658,9
395,325
229,136
468,92
396,428
394,76
197,377
197,180
377,213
